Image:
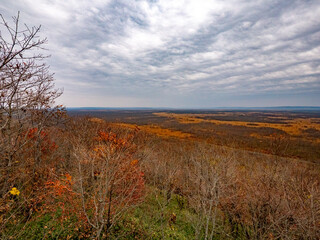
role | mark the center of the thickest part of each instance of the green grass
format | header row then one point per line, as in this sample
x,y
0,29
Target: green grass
x,y
148,220
42,227
151,219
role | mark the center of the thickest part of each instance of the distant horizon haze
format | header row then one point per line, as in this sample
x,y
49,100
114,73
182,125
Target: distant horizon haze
x,y
213,108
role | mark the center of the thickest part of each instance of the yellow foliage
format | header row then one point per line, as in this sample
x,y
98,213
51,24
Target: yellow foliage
x,y
96,120
159,131
292,127
14,191
134,162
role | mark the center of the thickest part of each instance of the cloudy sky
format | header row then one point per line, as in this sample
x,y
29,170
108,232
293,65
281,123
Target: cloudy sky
x,y
181,53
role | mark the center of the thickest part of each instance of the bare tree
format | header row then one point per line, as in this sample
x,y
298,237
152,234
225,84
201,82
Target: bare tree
x,y
27,98
109,179
27,91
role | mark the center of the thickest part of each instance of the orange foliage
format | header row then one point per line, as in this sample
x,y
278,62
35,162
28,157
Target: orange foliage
x,y
159,131
128,176
46,144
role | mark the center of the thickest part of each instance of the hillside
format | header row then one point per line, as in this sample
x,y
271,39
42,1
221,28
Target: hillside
x,y
175,187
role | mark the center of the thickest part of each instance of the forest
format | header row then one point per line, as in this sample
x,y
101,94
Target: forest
x,y
148,174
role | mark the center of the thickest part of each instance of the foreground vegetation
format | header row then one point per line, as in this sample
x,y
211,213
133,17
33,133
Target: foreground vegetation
x,y
104,181
64,177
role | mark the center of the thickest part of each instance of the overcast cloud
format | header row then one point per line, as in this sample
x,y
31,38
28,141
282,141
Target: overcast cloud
x,y
194,53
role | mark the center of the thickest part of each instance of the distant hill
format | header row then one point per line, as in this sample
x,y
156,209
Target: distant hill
x,y
277,108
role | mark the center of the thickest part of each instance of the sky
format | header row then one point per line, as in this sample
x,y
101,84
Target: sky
x,y
181,53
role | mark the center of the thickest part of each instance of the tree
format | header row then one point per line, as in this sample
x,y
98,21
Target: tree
x,y
110,179
27,98
27,93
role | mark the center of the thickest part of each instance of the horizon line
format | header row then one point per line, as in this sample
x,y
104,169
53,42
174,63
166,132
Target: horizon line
x,y
200,108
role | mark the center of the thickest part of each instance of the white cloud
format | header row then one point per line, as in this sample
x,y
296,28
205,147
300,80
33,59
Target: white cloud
x,y
178,47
